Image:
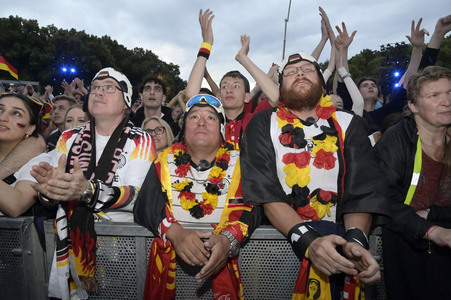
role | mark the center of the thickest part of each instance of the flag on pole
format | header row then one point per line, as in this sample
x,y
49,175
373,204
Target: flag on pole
x,y
6,66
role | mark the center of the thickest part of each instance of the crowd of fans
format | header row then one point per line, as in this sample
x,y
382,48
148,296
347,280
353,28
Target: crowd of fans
x,y
323,165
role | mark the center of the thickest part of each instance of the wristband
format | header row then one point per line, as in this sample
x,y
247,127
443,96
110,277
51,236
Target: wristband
x,y
300,238
346,76
43,198
206,46
356,235
205,50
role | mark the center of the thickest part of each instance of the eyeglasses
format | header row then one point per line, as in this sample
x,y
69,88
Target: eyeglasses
x,y
203,99
290,71
157,131
107,88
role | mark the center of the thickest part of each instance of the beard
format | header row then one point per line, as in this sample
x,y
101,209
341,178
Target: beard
x,y
305,99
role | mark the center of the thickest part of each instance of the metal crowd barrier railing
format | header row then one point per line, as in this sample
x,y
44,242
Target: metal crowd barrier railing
x,y
268,265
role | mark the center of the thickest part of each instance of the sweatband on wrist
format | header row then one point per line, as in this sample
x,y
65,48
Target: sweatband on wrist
x,y
358,236
96,187
205,50
300,237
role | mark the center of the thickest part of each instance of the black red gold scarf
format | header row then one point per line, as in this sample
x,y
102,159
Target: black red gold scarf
x,y
83,237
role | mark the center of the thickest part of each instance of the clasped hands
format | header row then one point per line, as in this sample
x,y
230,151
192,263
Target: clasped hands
x,y
198,248
355,260
55,183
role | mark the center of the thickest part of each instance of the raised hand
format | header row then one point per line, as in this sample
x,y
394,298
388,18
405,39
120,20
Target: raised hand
x,y
245,41
343,35
416,37
325,19
205,20
68,88
443,25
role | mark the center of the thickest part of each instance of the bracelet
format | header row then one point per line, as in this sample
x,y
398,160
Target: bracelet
x,y
430,230
346,76
356,235
205,50
300,237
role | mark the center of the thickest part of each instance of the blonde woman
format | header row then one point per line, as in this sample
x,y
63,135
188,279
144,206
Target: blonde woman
x,y
160,131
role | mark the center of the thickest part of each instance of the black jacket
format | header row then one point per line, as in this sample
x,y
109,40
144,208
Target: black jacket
x,y
396,152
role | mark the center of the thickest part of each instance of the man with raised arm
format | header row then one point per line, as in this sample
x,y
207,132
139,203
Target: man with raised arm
x,y
234,89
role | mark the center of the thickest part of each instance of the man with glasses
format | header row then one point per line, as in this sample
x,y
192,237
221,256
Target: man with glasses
x,y
95,174
153,96
313,170
196,181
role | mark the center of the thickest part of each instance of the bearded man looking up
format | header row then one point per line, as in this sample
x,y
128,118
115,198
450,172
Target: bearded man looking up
x,y
314,171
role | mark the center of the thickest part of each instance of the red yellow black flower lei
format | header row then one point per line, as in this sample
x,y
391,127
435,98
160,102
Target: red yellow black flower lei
x,y
212,189
315,205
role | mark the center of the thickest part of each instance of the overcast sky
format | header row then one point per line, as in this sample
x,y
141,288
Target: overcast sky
x,y
171,30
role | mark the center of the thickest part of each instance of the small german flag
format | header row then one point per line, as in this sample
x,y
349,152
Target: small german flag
x,y
5,65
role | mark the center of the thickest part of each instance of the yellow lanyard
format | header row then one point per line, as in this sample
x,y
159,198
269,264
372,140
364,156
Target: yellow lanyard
x,y
416,173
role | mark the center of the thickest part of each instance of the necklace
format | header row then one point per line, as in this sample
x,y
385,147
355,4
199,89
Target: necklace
x,y
199,209
309,205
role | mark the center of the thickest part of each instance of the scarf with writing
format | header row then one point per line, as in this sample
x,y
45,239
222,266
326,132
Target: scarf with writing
x,y
76,238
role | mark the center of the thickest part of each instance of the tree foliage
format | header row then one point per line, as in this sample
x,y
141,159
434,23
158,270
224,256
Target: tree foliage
x,y
39,53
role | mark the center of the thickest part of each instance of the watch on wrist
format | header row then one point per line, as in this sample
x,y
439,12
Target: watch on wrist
x,y
234,244
86,196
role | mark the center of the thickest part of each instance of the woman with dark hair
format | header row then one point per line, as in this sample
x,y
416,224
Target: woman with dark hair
x,y
416,156
19,119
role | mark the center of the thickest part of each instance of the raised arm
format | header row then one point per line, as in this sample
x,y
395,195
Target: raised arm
x,y
267,85
416,38
345,40
442,27
198,71
213,86
341,45
180,99
324,37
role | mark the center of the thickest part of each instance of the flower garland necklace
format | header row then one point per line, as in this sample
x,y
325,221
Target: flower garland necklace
x,y
297,165
199,209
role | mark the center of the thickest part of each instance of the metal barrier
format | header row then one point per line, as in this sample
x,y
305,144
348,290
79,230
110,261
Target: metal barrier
x,y
268,265
23,271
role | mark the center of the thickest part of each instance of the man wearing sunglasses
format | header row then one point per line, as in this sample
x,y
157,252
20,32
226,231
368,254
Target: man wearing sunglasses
x,y
196,181
95,174
318,180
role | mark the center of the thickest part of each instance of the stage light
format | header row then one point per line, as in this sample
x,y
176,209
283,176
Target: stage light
x,y
72,70
396,74
64,69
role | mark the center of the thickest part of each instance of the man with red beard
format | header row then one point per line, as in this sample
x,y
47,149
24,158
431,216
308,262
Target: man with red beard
x,y
314,171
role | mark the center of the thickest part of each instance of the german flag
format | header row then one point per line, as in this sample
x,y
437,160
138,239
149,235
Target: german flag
x,y
5,65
